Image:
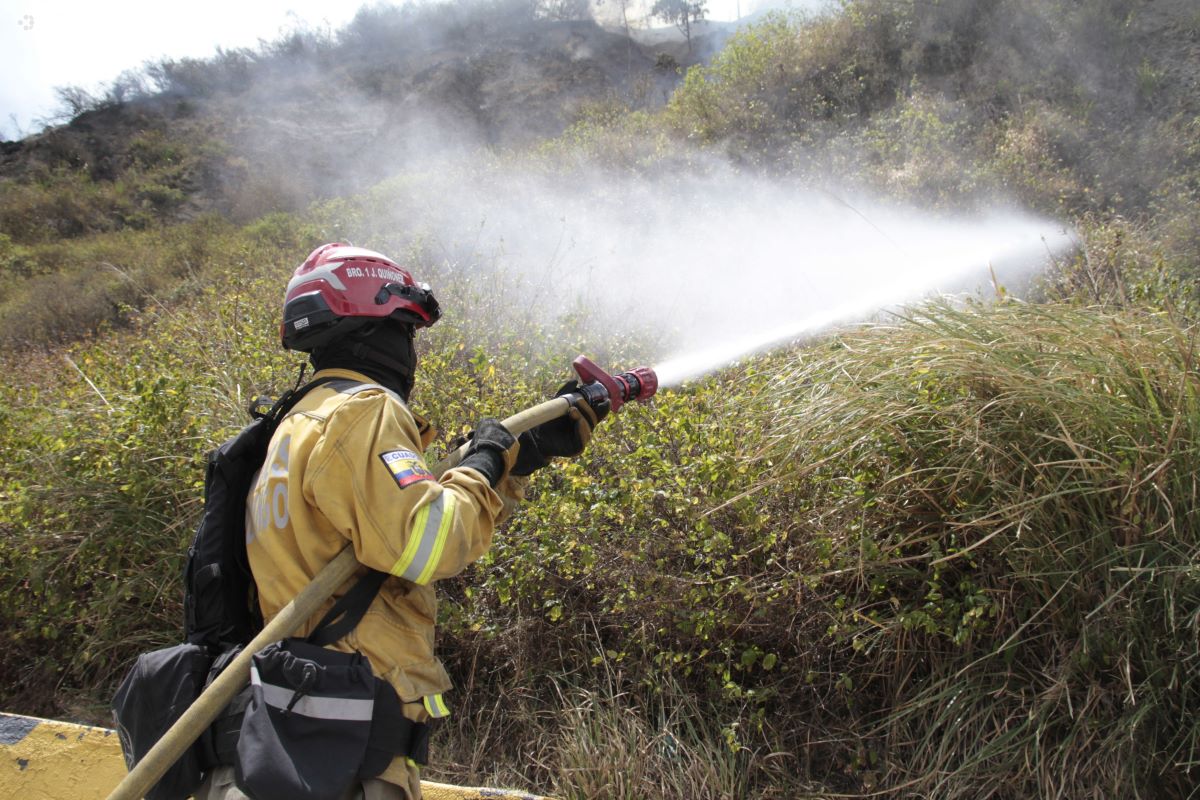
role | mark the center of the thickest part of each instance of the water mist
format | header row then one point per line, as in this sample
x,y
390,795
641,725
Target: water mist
x,y
878,269
713,264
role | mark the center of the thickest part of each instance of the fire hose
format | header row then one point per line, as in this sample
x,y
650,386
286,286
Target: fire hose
x,y
596,385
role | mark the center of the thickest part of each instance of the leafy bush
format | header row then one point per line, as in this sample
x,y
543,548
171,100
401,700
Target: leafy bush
x,y
782,82
16,262
86,511
65,203
74,287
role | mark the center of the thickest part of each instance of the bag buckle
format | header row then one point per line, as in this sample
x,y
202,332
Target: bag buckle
x,y
308,680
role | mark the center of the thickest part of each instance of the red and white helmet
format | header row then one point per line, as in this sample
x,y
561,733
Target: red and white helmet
x,y
340,288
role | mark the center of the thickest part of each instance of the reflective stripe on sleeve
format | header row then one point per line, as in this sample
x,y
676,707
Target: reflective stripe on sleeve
x,y
426,540
335,708
436,706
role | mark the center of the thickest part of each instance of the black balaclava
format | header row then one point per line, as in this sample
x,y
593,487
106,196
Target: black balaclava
x,y
383,351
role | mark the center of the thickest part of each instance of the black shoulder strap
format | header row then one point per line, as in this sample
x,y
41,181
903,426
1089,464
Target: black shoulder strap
x,y
288,400
349,609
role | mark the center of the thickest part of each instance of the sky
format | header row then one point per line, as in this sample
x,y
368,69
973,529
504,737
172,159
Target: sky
x,y
46,44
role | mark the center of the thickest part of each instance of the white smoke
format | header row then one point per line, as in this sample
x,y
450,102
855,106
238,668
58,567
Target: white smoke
x,y
722,263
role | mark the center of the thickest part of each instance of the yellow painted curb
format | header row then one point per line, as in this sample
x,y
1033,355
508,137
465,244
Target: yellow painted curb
x,y
443,791
47,760
43,759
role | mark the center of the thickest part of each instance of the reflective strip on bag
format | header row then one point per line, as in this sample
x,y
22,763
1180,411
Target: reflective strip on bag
x,y
334,708
436,706
426,540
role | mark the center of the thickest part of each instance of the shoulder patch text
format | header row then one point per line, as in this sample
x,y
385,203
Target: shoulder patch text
x,y
406,467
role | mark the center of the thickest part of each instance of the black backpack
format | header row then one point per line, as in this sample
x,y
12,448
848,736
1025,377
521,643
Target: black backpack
x,y
221,614
220,602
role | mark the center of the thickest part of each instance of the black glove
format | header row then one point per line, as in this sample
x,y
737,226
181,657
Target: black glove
x,y
491,450
564,437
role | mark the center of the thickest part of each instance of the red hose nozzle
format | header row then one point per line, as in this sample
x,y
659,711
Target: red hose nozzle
x,y
637,384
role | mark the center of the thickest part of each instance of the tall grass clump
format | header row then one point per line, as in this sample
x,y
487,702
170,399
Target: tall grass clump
x,y
998,526
583,742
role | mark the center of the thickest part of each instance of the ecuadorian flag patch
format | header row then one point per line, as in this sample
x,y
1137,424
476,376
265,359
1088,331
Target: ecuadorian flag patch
x,y
406,467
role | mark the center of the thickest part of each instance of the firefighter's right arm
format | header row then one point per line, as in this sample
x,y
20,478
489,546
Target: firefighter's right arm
x,y
369,480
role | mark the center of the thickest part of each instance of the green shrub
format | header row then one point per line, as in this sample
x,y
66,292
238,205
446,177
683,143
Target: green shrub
x,y
16,262
77,286
1122,264
65,203
922,151
784,81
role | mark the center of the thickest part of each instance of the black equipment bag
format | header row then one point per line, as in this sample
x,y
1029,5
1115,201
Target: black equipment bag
x,y
164,683
221,606
220,599
314,721
155,693
306,727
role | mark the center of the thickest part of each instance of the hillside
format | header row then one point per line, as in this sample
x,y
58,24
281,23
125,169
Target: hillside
x,y
950,552
311,117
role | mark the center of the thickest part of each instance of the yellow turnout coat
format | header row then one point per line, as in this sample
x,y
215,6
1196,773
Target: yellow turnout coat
x,y
346,466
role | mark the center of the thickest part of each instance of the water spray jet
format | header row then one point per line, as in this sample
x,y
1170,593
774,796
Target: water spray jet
x,y
953,271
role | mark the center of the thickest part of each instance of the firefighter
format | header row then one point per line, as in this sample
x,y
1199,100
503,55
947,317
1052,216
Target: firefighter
x,y
346,466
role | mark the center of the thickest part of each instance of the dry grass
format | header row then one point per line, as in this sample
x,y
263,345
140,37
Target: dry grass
x,y
605,743
1002,517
